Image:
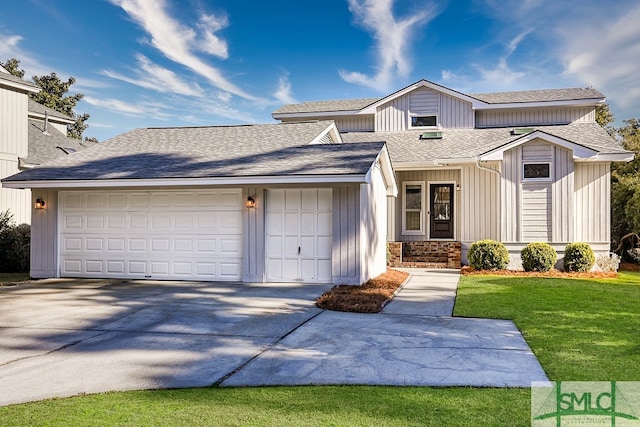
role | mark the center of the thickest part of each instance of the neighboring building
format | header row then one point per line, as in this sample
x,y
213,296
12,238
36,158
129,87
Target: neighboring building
x,y
30,134
516,167
276,203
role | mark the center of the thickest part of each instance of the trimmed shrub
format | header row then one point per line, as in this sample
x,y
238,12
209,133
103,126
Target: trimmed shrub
x,y
578,257
608,263
488,255
538,256
15,242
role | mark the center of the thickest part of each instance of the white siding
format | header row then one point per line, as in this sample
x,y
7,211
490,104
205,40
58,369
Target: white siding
x,y
536,212
393,115
511,173
592,202
253,242
534,116
441,175
455,113
373,224
346,234
355,123
17,201
424,101
562,196
13,123
44,235
480,204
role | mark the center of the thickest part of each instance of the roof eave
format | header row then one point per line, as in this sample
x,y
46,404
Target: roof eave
x,y
314,114
51,118
566,103
27,87
579,151
180,182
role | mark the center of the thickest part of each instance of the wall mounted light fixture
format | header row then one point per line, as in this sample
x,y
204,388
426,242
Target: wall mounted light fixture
x,y
40,204
251,203
457,187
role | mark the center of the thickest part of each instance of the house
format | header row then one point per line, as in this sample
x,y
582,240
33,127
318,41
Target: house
x,y
30,134
273,202
516,167
331,192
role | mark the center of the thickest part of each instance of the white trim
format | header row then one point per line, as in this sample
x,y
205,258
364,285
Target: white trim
x,y
27,87
314,114
333,132
434,127
422,230
40,116
609,157
453,212
175,182
579,151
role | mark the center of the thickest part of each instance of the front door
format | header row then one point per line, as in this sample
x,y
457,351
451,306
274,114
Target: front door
x,y
441,211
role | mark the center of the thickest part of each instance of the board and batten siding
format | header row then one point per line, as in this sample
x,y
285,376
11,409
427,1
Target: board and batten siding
x,y
13,144
373,224
253,238
427,176
345,264
44,226
534,116
480,203
537,210
452,113
592,207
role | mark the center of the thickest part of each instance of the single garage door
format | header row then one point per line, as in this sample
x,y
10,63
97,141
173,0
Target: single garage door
x,y
180,235
299,235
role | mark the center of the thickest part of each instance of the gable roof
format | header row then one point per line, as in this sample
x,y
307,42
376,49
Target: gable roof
x,y
235,153
461,145
38,110
9,80
480,101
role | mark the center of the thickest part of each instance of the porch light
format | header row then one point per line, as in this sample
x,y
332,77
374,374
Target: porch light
x,y
457,187
251,203
39,204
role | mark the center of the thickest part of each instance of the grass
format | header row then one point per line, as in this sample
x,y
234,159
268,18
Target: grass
x,y
281,406
369,297
10,279
579,328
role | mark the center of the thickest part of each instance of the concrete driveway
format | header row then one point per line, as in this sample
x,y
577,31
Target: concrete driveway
x,y
65,337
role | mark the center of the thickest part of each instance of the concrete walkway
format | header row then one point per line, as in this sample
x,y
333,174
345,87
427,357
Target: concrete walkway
x,y
413,342
65,337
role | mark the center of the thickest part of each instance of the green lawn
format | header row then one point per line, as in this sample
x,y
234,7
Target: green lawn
x,y
580,330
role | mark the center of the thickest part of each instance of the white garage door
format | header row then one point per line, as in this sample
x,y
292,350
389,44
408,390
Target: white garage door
x,y
152,234
299,235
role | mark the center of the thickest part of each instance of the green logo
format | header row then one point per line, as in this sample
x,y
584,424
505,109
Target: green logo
x,y
574,403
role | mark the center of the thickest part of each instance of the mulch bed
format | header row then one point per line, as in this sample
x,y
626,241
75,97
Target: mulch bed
x,y
469,271
369,297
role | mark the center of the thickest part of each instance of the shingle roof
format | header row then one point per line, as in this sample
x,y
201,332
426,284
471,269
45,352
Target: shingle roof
x,y
11,78
50,146
545,95
468,143
326,106
220,151
36,107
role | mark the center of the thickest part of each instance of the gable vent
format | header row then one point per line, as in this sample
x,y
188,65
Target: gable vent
x,y
521,131
431,135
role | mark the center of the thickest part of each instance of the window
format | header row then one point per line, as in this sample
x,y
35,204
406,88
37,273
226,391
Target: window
x,y
536,171
413,205
424,121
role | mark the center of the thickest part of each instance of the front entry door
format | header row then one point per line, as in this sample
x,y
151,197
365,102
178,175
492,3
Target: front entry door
x,y
441,211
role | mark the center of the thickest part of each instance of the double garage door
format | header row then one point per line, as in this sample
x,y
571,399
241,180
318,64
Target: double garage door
x,y
193,235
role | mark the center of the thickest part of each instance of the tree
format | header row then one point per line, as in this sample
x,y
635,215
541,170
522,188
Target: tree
x,y
604,117
625,185
12,65
53,94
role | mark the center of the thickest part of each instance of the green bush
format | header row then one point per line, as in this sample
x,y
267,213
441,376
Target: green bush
x,y
488,255
578,257
15,243
538,256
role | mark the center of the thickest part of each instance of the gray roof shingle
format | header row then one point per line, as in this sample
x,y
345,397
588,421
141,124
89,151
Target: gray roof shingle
x,y
219,151
327,106
36,107
11,78
545,95
468,143
47,147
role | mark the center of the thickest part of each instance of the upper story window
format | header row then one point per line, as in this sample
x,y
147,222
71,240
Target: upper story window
x,y
533,171
424,121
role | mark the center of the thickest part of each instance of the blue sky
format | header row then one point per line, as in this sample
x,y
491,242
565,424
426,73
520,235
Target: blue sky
x,y
144,63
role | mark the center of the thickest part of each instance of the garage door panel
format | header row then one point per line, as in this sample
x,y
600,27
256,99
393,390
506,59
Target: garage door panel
x,y
113,234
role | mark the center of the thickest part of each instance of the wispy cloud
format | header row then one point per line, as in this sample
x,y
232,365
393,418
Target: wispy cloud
x,y
154,77
144,109
283,94
179,42
392,38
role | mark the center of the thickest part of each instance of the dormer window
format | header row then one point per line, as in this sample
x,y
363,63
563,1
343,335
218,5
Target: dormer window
x,y
424,121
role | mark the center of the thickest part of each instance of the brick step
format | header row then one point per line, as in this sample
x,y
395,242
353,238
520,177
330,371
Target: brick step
x,y
419,264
